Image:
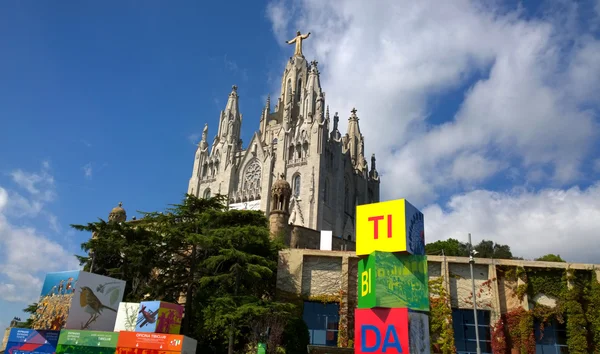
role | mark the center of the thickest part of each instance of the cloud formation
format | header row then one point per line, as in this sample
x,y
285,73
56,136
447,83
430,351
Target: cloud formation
x,y
526,87
26,254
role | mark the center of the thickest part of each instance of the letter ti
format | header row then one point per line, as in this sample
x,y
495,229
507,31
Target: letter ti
x,y
375,220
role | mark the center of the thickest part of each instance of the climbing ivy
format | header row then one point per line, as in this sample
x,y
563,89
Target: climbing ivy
x,y
592,297
519,327
440,321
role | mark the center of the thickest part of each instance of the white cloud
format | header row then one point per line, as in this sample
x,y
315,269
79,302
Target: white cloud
x,y
39,184
391,58
87,170
26,254
531,223
528,118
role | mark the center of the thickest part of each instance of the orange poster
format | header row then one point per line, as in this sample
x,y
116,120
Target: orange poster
x,y
156,341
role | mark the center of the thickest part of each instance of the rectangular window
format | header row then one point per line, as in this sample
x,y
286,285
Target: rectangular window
x,y
463,322
553,340
322,321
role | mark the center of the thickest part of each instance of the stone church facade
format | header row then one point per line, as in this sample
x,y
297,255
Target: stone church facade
x,y
297,141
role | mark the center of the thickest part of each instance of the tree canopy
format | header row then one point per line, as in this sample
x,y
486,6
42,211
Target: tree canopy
x,y
550,258
454,248
220,263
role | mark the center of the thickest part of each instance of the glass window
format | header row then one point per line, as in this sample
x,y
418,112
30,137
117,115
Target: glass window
x,y
207,193
553,340
463,322
322,321
297,185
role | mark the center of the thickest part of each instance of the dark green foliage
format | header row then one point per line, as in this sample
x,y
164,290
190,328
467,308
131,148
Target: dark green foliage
x,y
550,258
296,336
222,262
454,248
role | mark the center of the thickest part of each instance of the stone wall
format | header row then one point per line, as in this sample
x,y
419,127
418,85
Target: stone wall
x,y
302,237
306,273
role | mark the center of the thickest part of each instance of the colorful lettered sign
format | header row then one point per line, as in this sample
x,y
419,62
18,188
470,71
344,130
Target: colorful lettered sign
x,y
393,280
393,226
381,330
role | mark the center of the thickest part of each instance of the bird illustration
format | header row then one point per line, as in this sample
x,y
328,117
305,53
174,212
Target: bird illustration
x,y
90,302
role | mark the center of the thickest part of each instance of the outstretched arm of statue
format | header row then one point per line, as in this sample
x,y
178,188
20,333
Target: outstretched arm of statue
x,y
304,36
291,40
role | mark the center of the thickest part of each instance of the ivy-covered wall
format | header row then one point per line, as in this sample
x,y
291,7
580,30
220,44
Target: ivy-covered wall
x,y
516,293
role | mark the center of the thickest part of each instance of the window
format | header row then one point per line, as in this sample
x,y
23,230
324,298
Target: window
x,y
322,321
553,338
463,322
297,181
206,193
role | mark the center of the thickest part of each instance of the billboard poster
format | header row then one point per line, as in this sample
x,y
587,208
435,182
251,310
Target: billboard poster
x,y
159,317
393,280
96,302
127,316
55,301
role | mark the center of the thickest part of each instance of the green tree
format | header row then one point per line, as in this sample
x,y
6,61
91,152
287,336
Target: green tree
x,y
454,248
550,258
123,251
450,247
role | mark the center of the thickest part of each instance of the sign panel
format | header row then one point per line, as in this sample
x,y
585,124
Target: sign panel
x,y
392,226
326,240
22,340
381,330
86,342
393,280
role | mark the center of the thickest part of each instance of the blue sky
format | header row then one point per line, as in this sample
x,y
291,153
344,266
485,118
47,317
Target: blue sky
x,y
485,117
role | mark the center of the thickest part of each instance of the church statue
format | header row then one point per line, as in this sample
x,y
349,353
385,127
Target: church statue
x,y
298,40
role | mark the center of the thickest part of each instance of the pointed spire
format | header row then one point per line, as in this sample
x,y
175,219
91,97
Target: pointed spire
x,y
355,141
373,174
268,105
205,132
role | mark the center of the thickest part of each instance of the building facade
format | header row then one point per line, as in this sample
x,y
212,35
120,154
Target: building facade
x,y
324,283
297,141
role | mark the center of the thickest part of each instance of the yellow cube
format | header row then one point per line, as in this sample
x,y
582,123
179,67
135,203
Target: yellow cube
x,y
392,226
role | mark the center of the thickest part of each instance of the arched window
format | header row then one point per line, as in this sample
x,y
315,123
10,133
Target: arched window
x,y
204,170
206,193
297,181
299,88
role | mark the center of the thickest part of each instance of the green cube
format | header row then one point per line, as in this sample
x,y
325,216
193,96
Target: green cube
x,y
393,280
87,342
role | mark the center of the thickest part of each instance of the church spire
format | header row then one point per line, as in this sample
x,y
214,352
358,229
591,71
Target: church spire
x,y
354,142
231,119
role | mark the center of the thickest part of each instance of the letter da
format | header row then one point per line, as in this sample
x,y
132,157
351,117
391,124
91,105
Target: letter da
x,y
393,342
363,339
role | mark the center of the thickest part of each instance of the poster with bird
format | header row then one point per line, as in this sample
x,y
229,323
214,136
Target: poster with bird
x,y
95,303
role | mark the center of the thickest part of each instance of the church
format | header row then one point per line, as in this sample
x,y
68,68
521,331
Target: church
x,y
298,168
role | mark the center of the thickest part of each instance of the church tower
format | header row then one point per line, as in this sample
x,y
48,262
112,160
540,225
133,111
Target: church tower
x,y
327,174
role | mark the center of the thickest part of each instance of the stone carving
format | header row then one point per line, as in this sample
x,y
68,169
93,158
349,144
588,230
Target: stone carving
x,y
296,212
298,40
252,175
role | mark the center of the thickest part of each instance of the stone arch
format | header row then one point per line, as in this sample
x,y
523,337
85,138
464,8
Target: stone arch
x,y
206,193
252,175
